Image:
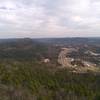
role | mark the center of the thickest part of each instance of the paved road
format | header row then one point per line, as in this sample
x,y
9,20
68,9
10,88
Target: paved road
x,y
62,59
66,62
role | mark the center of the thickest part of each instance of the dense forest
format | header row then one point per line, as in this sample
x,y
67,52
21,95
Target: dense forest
x,y
23,76
34,81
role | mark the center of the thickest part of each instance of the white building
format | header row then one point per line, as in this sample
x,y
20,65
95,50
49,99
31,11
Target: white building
x,y
46,60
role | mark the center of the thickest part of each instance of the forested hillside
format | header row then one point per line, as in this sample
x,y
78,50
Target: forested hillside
x,y
25,76
33,81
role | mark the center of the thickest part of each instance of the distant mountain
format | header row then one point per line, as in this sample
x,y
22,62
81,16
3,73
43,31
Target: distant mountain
x,y
70,40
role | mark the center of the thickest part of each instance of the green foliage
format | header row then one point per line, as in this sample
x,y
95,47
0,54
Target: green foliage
x,y
37,81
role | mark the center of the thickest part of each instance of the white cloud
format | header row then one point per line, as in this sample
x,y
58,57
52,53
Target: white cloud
x,y
48,18
77,18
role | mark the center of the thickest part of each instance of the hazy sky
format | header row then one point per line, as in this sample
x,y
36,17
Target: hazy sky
x,y
49,18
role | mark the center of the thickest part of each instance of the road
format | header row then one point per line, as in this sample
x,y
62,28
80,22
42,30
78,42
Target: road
x,y
62,59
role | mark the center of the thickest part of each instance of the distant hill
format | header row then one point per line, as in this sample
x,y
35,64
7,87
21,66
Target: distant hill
x,y
70,40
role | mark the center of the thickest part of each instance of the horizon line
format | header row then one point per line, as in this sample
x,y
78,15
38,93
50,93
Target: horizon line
x,y
46,37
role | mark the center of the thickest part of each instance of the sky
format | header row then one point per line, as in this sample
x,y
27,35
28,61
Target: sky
x,y
49,18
